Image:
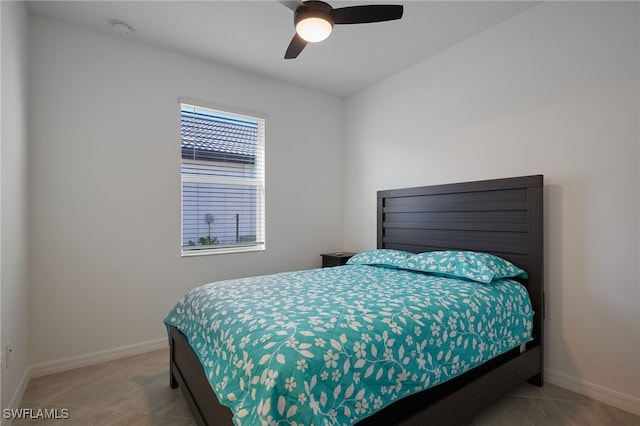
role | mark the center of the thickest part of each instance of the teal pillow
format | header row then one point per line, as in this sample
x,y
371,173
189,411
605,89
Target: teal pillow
x,y
382,257
481,267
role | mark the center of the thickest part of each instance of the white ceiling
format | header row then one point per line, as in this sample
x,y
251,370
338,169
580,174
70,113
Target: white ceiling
x,y
252,36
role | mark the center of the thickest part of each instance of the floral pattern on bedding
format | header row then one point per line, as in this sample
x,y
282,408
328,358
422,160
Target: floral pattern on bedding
x,y
332,346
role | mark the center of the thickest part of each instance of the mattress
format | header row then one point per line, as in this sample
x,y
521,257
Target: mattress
x,y
332,346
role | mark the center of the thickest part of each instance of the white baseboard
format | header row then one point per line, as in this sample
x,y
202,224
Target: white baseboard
x,y
597,392
17,396
70,363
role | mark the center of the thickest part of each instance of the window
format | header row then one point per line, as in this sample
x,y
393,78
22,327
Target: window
x,y
222,181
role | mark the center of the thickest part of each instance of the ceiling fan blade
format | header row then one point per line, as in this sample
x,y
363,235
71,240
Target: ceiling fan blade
x,y
365,14
291,4
295,47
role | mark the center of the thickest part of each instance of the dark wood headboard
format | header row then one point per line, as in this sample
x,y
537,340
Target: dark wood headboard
x,y
500,216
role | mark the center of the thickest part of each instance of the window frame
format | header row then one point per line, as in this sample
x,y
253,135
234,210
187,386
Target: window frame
x,y
259,182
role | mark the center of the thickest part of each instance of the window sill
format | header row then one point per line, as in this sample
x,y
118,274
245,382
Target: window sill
x,y
228,250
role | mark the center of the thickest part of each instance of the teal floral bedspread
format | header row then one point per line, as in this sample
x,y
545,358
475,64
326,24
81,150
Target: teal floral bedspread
x,y
332,346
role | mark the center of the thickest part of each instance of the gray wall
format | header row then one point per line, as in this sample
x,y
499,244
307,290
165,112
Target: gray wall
x,y
105,185
14,288
553,90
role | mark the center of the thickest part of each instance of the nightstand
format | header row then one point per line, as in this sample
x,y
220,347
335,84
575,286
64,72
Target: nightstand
x,y
335,259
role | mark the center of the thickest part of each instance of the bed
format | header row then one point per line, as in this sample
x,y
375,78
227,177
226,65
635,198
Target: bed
x,y
502,217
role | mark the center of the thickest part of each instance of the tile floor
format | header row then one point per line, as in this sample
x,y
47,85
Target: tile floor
x,y
135,391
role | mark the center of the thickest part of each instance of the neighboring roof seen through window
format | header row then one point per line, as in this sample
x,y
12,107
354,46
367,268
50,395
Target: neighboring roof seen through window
x,y
217,138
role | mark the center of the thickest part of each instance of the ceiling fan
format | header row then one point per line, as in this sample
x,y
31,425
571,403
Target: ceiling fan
x,y
314,20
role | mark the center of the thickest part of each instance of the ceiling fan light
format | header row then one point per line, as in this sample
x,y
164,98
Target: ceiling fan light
x,y
314,29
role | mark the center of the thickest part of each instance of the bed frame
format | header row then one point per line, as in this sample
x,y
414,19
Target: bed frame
x,y
502,217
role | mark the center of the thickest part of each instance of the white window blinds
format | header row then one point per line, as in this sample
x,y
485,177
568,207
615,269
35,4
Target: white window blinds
x,y
222,181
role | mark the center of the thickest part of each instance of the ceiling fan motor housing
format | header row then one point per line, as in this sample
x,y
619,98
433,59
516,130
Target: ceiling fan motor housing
x,y
313,9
